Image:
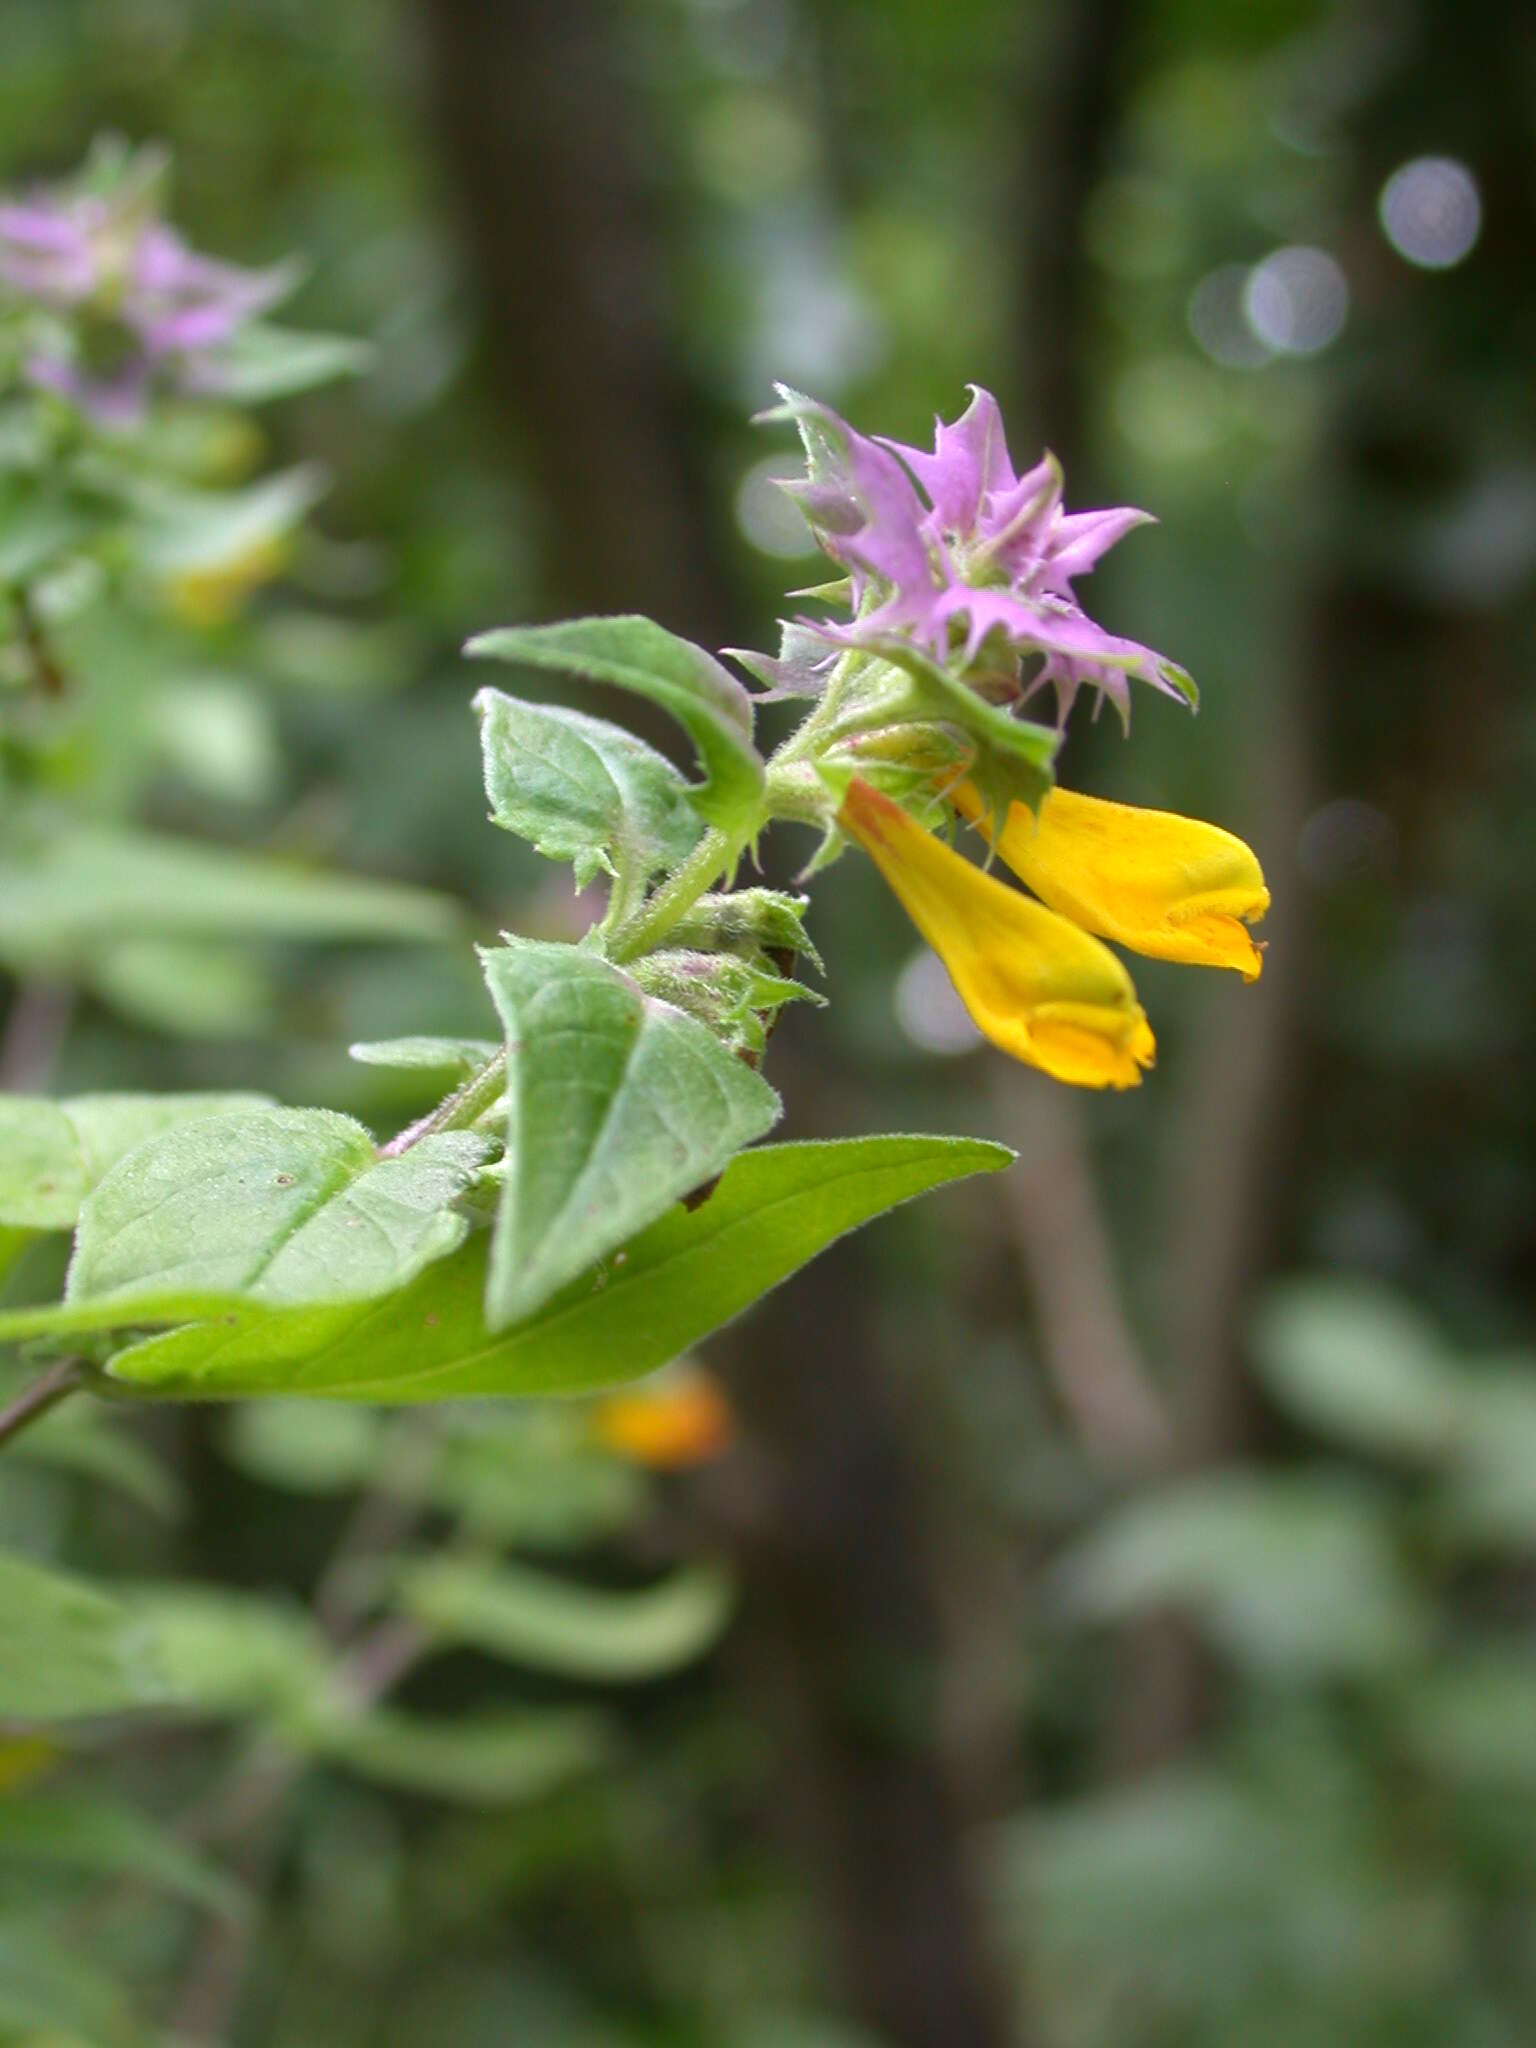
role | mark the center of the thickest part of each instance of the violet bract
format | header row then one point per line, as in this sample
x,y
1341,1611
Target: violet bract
x,y
982,563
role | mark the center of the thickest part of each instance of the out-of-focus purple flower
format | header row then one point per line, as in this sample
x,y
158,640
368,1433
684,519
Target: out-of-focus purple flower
x,y
130,301
983,556
180,303
45,250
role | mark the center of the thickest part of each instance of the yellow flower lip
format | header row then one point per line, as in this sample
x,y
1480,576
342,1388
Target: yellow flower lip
x,y
1171,887
1037,987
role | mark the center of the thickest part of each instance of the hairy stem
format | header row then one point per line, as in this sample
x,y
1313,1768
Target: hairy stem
x,y
669,904
43,1394
456,1112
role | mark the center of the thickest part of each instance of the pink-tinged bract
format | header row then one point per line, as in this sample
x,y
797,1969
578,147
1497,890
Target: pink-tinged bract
x,y
954,551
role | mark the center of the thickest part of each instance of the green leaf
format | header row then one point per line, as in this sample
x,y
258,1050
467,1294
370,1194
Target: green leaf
x,y
636,654
303,1448
583,790
53,1996
67,887
774,1209
1352,1359
1473,1720
37,524
230,1655
53,1153
528,1477
1296,1578
618,1106
67,1648
532,1617
478,1760
284,1205
181,532
462,1056
73,1831
263,361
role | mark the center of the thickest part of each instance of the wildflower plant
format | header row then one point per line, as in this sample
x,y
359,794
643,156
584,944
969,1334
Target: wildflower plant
x,y
591,1197
137,535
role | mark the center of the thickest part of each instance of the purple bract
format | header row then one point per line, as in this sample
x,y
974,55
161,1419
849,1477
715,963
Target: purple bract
x,y
129,299
982,556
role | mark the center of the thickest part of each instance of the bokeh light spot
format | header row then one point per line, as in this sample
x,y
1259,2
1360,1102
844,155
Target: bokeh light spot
x,y
1431,211
1296,300
929,1011
1218,322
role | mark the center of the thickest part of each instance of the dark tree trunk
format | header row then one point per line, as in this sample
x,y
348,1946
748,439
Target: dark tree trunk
x,y
543,148
541,138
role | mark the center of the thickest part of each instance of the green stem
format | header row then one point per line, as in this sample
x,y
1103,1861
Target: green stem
x,y
456,1112
669,904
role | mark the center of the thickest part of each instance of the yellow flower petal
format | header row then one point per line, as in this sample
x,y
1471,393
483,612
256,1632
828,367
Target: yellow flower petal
x,y
1175,888
685,1420
1036,986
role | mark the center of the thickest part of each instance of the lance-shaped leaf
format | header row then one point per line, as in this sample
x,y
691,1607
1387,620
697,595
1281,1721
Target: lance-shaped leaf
x,y
53,1153
636,654
553,1624
493,1759
618,1105
775,1208
263,361
461,1056
104,1838
285,1205
583,790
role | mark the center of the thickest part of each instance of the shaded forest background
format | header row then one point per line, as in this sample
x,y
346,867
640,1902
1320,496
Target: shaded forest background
x,y
1121,1656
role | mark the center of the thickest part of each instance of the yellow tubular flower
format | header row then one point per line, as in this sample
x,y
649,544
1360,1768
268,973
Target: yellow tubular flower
x,y
1038,987
1174,888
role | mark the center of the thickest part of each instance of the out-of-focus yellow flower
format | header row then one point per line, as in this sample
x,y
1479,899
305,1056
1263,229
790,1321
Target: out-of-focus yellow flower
x,y
1035,984
684,1419
212,596
1173,888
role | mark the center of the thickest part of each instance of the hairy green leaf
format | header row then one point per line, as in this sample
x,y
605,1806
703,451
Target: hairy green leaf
x,y
53,1153
774,1209
636,654
461,1056
618,1105
583,790
286,1205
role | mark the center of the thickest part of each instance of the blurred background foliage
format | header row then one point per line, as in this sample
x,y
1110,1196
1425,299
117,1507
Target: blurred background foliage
x,y
1131,1560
